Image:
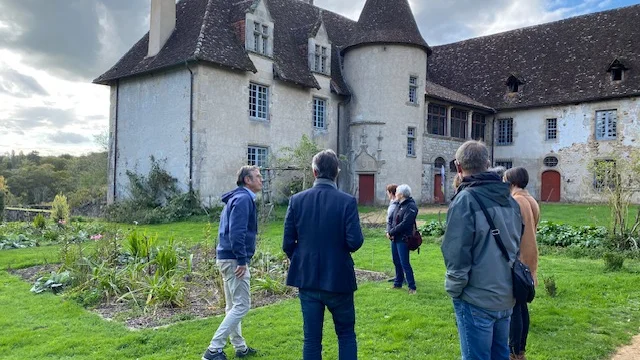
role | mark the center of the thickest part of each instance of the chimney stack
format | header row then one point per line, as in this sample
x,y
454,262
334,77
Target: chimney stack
x,y
163,22
307,1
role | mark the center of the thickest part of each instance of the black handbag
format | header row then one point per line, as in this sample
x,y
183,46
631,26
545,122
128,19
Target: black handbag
x,y
523,286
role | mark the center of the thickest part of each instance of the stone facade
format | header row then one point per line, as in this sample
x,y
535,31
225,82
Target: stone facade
x,y
575,146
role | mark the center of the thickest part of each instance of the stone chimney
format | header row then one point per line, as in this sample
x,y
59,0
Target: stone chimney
x,y
307,1
163,22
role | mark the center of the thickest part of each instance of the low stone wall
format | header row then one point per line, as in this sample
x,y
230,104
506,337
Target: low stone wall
x,y
18,214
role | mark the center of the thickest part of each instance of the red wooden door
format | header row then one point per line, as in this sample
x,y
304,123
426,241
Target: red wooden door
x,y
550,186
438,196
367,190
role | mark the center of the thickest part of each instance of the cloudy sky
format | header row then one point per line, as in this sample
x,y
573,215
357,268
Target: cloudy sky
x,y
50,50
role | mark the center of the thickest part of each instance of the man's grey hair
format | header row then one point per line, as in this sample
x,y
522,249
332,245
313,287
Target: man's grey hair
x,y
325,164
500,170
404,189
473,157
245,171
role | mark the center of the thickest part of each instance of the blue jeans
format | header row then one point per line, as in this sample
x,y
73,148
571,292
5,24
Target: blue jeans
x,y
400,254
342,309
484,334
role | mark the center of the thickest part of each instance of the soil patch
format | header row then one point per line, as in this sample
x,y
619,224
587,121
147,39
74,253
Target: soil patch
x,y
629,352
202,299
378,218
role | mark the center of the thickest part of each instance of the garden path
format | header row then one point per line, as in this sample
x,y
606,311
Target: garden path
x,y
629,352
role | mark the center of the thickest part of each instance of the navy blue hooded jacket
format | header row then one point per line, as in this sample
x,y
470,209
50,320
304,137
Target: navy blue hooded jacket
x,y
238,227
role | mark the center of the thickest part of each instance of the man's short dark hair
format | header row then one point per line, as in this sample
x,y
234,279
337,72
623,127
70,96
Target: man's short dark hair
x,y
245,171
325,163
517,176
473,157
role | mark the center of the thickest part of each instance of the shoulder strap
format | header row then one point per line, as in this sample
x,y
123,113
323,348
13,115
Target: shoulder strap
x,y
494,231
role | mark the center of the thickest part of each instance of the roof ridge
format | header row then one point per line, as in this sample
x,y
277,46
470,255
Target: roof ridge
x,y
525,28
200,40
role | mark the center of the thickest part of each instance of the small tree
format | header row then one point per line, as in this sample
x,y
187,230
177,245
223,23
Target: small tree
x,y
3,196
299,159
60,209
618,180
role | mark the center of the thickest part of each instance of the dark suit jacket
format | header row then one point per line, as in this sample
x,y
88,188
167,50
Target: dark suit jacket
x,y
321,230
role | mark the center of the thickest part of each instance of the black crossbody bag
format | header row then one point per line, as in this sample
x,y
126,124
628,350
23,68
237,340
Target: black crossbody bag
x,y
523,286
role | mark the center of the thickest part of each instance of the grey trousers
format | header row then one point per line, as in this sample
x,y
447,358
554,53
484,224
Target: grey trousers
x,y
237,295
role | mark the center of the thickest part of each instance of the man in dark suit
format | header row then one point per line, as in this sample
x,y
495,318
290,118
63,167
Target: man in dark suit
x,y
321,230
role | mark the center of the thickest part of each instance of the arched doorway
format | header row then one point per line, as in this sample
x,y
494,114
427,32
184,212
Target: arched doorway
x,y
550,186
438,188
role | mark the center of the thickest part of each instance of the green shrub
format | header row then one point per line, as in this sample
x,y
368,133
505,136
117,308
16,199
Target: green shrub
x,y
60,209
155,199
432,228
613,261
550,286
53,282
39,222
563,235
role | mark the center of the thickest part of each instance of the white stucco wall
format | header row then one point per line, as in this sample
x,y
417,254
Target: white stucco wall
x,y
223,130
378,76
153,120
575,146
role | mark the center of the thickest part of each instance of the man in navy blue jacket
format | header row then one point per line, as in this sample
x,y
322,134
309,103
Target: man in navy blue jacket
x,y
321,230
237,244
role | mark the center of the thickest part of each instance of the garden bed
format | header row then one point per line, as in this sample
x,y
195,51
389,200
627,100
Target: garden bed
x,y
202,300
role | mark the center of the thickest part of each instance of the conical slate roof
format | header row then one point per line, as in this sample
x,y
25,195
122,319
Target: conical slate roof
x,y
387,22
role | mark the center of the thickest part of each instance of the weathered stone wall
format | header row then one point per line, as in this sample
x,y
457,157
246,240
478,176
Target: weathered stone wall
x,y
576,146
152,120
23,215
223,129
379,115
435,147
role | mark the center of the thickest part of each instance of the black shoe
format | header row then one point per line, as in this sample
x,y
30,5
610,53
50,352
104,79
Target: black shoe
x,y
214,355
246,352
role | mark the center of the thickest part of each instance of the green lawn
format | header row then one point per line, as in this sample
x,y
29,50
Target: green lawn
x,y
594,313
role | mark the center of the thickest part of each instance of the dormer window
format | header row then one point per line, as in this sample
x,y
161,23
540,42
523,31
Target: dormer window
x,y
259,30
513,82
617,69
261,39
319,50
320,59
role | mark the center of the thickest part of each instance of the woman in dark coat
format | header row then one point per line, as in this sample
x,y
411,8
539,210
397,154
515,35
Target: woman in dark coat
x,y
402,223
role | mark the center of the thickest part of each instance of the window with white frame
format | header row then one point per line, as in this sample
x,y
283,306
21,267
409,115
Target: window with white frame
x,y
508,164
321,56
552,129
257,156
261,43
258,101
505,132
459,122
411,141
319,113
413,89
606,125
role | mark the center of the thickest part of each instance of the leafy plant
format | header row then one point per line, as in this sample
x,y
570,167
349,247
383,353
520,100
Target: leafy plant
x,y
550,285
613,261
54,282
433,228
563,235
39,222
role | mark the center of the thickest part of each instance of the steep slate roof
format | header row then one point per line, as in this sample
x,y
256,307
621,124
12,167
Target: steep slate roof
x,y
205,32
440,92
202,33
387,22
560,62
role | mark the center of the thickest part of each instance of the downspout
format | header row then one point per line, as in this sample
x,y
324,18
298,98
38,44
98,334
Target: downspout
x,y
493,138
115,142
186,63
